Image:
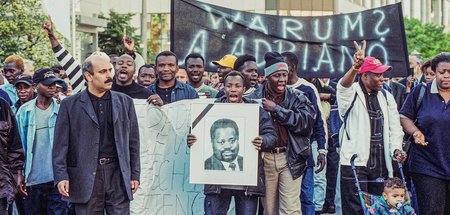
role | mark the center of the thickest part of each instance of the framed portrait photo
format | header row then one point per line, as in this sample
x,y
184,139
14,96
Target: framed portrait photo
x,y
224,153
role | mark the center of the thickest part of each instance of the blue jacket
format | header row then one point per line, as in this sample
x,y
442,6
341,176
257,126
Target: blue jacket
x,y
4,95
11,91
180,92
27,129
381,207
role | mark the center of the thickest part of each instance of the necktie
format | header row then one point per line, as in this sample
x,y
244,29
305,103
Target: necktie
x,y
232,166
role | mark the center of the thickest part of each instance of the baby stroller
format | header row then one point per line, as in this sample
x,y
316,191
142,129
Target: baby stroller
x,y
367,200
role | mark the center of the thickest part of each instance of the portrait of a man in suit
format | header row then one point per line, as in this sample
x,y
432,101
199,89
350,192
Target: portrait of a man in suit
x,y
225,144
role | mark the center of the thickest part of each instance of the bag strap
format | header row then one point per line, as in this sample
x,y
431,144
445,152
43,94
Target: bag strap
x,y
351,106
346,115
422,91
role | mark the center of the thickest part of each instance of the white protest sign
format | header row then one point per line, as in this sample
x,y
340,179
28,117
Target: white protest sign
x,y
164,187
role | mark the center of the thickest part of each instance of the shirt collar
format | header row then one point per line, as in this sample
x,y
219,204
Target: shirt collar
x,y
226,165
106,96
272,96
434,87
200,88
363,88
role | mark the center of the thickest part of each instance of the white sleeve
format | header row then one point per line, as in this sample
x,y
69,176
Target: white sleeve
x,y
344,97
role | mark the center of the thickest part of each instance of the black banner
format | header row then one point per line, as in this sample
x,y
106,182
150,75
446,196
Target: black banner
x,y
324,45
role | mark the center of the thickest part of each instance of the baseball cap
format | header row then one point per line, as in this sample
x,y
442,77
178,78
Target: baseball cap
x,y
26,79
45,76
374,65
226,61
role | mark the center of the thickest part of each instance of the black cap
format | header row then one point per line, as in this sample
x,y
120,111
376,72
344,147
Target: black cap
x,y
45,76
26,79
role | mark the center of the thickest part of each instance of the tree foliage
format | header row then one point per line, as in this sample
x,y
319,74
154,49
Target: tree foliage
x,y
110,40
428,39
20,32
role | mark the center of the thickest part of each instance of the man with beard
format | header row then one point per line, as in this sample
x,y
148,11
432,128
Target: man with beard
x,y
218,197
246,65
146,75
13,66
195,67
124,83
293,118
96,160
36,120
167,87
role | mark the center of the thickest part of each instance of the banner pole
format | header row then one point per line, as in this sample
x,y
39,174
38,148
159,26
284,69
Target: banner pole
x,y
172,26
405,44
73,29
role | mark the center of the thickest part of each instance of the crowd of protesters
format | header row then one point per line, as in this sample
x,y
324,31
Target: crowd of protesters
x,y
64,152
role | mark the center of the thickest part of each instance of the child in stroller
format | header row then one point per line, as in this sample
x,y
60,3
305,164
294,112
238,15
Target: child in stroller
x,y
393,199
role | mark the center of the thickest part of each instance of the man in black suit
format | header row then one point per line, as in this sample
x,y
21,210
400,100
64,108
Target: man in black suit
x,y
225,143
96,145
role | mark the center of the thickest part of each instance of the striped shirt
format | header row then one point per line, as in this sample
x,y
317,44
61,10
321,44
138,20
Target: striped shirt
x,y
72,68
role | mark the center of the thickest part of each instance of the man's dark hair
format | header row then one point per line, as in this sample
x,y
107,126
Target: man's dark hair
x,y
240,61
223,123
146,66
393,183
443,57
232,74
425,65
166,54
112,55
291,59
57,68
194,55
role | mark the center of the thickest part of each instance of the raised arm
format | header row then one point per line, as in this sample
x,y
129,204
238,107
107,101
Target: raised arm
x,y
65,59
358,60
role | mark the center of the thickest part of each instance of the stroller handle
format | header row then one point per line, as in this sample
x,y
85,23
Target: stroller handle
x,y
352,160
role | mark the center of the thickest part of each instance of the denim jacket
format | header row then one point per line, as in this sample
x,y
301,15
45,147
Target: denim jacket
x,y
27,129
11,91
180,92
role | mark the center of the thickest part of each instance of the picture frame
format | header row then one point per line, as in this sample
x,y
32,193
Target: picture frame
x,y
224,153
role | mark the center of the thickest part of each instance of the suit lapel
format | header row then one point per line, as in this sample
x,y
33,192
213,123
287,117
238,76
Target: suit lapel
x,y
217,164
87,106
115,107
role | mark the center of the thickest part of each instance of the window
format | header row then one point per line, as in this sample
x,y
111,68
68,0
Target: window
x,y
300,7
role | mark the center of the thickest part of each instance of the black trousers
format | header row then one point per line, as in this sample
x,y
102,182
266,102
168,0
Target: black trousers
x,y
19,205
376,168
3,206
332,171
109,194
433,194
